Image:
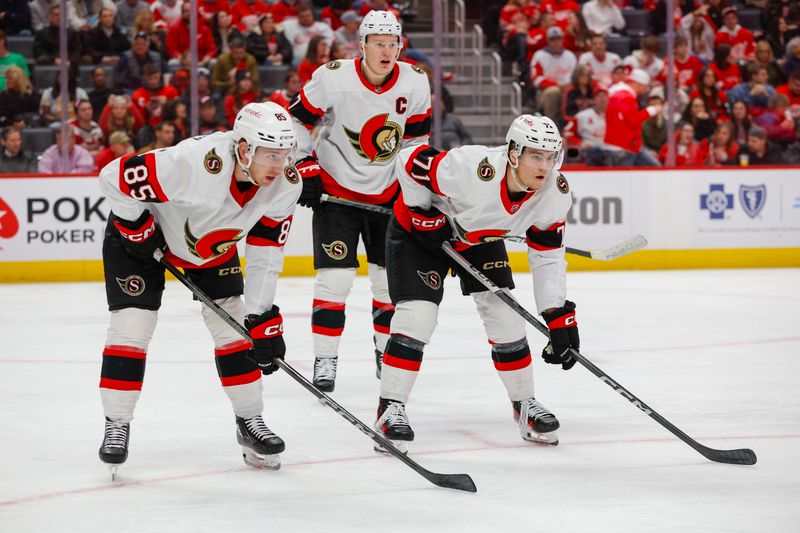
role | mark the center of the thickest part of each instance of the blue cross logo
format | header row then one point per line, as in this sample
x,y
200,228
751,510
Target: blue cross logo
x,y
716,201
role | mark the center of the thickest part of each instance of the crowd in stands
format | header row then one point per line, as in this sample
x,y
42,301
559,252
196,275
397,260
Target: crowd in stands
x,y
737,79
137,96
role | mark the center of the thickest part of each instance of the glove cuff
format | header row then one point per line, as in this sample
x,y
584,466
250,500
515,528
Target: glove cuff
x,y
135,234
429,220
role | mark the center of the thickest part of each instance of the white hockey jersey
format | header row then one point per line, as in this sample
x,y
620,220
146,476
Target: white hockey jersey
x,y
469,185
193,196
363,126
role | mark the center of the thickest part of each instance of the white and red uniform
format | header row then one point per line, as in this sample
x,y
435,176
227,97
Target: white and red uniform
x,y
193,196
469,185
549,70
363,126
740,40
601,69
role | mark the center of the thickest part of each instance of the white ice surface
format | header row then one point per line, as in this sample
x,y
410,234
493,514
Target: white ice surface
x,y
715,352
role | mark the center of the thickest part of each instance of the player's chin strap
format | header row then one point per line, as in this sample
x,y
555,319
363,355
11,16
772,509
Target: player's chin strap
x,y
245,168
514,166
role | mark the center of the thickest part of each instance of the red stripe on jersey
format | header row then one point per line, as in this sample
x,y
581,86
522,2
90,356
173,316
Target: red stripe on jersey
x,y
377,89
242,379
268,222
381,329
539,246
405,364
333,188
232,347
432,165
328,332
325,304
125,351
260,241
240,196
401,214
139,180
419,118
182,263
513,365
510,206
311,108
120,384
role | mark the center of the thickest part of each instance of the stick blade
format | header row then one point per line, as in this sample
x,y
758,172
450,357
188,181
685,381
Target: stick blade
x,y
637,242
742,456
453,481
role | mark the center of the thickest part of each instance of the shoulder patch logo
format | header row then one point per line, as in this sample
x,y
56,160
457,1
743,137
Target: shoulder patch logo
x,y
417,69
379,138
333,65
431,278
336,250
291,174
132,285
485,170
561,183
212,162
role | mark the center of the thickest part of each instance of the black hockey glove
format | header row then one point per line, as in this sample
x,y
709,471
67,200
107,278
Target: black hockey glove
x,y
312,186
430,228
267,332
140,237
563,336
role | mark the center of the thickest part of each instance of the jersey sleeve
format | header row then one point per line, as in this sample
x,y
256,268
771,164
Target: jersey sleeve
x,y
132,181
418,123
309,106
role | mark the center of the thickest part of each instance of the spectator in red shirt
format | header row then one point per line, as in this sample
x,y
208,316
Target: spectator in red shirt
x,y
178,41
523,39
291,86
87,132
791,90
699,33
721,149
728,73
624,120
687,67
120,115
207,8
560,8
241,94
247,12
332,14
687,150
119,144
739,39
318,54
576,35
284,9
151,97
378,5
707,89
530,11
777,121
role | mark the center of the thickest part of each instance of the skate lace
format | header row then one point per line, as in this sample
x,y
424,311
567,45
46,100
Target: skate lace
x,y
116,435
395,415
531,410
325,368
258,428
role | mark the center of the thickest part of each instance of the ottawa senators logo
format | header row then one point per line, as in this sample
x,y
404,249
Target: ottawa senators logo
x,y
333,65
132,285
431,278
561,183
336,250
481,236
291,174
378,140
213,244
417,69
485,170
212,162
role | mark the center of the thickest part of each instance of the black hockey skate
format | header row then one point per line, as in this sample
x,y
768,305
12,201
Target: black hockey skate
x,y
114,449
261,447
378,363
536,422
325,373
393,424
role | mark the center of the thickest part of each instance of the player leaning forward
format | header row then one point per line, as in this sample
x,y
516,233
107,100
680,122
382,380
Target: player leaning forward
x,y
369,108
196,200
474,196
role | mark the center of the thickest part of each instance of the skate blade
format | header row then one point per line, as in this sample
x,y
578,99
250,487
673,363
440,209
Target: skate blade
x,y
112,469
401,445
257,460
548,439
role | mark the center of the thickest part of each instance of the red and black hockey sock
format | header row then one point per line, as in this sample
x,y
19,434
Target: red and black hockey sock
x,y
403,352
511,356
233,364
123,368
327,318
382,313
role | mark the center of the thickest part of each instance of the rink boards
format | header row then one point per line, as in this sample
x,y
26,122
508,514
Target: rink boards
x,y
51,227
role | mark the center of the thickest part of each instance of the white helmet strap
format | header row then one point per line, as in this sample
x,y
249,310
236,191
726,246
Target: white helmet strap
x,y
245,167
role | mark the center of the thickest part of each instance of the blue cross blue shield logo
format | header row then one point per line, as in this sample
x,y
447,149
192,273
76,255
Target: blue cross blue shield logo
x,y
753,198
716,201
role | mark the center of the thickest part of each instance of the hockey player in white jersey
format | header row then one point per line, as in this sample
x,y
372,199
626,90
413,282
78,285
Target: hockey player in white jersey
x,y
475,196
369,108
195,201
